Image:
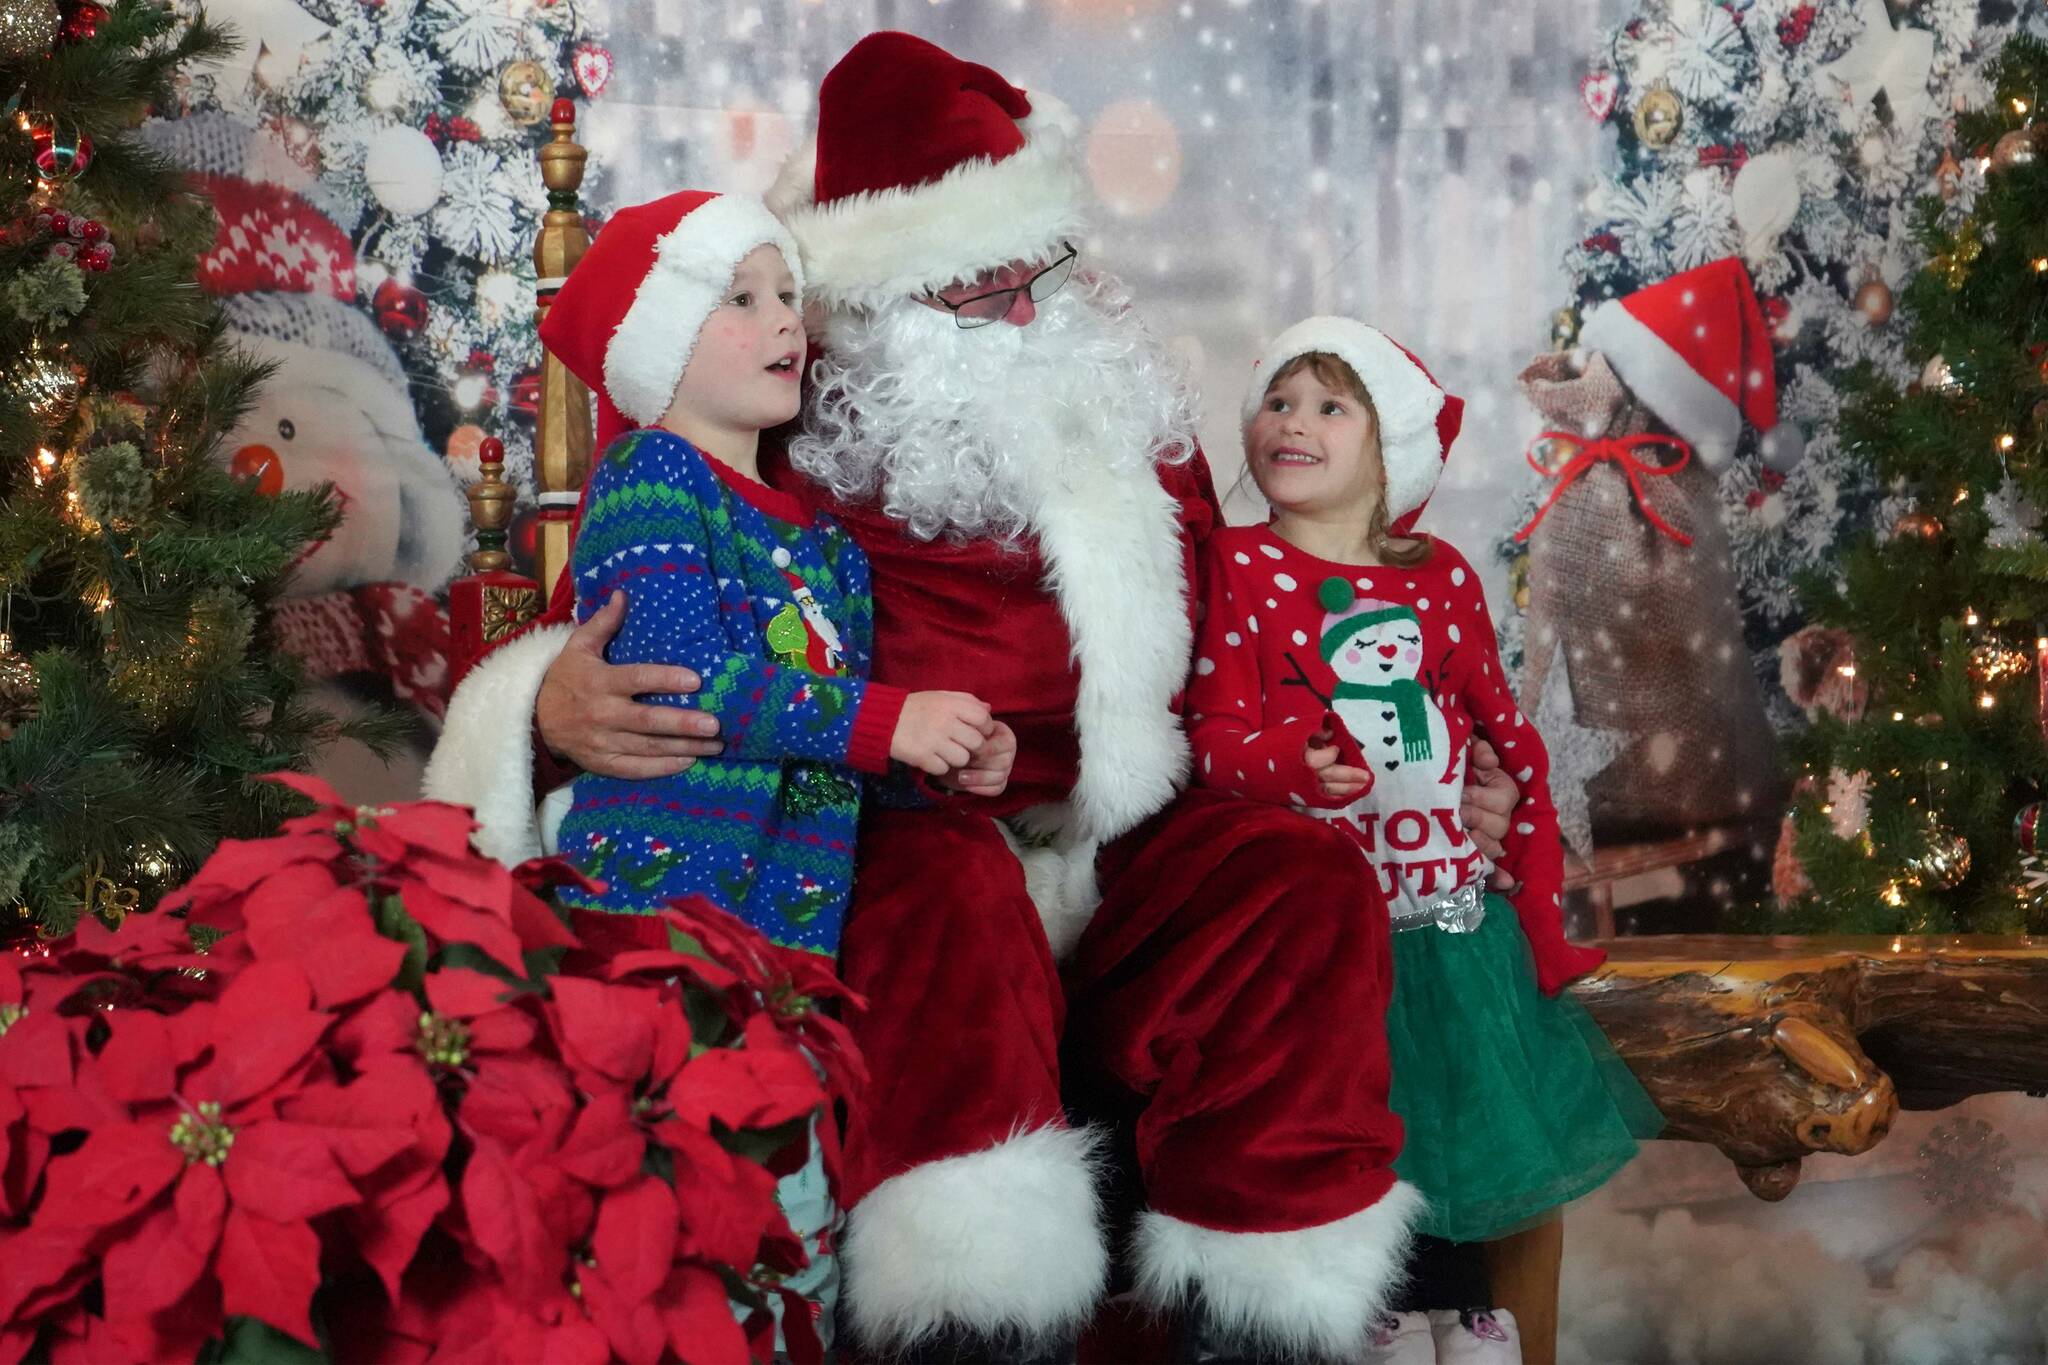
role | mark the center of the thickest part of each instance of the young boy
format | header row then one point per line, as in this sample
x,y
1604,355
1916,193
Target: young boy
x,y
683,317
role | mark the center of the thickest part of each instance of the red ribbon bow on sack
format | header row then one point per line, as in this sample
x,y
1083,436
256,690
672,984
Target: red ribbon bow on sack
x,y
1581,455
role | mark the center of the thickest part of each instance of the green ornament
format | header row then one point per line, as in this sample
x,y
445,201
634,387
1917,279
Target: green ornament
x,y
113,483
53,291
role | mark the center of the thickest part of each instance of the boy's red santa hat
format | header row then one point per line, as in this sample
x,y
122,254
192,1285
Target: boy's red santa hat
x,y
1417,419
1695,348
627,318
923,171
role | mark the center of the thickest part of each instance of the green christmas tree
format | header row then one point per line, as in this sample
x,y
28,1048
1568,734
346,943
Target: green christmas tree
x,y
139,693
1918,816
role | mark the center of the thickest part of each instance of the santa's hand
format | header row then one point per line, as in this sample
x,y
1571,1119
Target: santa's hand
x,y
1339,781
939,732
1490,798
988,767
588,715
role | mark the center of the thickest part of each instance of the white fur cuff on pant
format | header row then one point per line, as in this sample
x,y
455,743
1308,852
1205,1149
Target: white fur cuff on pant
x,y
1315,1291
1007,1240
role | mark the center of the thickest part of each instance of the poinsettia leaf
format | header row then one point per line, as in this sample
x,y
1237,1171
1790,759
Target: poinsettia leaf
x,y
726,1203
756,1086
155,1263
269,1270
36,1051
701,1327
504,1217
137,1061
604,1148
395,922
606,1028
314,789
251,1341
636,1236
113,1175
263,1027
447,920
42,1265
387,1228
236,865
284,1172
630,1322
800,1329
462,993
382,1026
512,1099
476,883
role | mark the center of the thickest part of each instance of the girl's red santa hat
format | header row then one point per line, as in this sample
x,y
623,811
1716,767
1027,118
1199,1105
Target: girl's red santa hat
x,y
923,171
1417,419
1695,348
627,318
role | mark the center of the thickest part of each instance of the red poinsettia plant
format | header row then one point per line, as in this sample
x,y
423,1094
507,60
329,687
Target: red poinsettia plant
x,y
362,1086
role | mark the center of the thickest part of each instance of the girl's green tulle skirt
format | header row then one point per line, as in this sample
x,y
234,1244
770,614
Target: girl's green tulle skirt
x,y
1514,1103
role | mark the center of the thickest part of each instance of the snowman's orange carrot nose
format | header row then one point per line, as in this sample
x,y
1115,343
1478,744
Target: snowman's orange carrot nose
x,y
261,464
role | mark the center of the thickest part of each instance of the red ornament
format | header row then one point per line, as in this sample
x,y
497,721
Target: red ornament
x,y
1603,241
88,229
58,222
81,21
563,111
401,309
1793,28
1754,498
464,129
2026,828
1729,156
480,359
525,539
1771,479
261,465
526,392
64,250
96,258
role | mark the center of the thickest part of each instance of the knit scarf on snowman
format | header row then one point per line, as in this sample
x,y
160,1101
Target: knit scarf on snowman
x,y
1405,695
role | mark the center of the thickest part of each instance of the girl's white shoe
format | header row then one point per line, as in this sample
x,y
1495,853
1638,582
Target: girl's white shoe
x,y
1476,1337
1402,1339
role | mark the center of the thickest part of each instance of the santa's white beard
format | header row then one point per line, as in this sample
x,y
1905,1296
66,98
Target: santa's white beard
x,y
960,432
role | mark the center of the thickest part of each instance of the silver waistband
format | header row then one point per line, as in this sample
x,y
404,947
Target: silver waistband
x,y
1461,912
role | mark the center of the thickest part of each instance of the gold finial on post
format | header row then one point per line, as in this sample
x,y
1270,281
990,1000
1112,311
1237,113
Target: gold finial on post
x,y
490,508
562,434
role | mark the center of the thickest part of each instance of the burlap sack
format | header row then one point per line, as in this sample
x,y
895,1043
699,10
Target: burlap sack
x,y
1650,630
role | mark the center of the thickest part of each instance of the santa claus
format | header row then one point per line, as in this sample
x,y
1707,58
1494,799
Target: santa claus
x,y
1016,456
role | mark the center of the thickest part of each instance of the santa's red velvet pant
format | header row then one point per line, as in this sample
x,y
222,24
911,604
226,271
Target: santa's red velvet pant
x,y
1234,980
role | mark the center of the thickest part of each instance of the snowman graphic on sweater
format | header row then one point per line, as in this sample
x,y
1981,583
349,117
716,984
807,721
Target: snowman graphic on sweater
x,y
1408,818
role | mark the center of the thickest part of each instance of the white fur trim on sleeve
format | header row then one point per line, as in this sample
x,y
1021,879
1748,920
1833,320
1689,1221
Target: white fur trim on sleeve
x,y
1674,391
693,265
866,249
1315,1292
484,759
1007,1240
1402,395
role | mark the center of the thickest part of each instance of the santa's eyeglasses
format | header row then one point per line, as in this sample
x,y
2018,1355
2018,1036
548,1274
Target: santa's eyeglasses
x,y
994,306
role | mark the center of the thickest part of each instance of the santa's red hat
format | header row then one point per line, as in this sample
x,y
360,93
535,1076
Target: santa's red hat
x,y
627,318
1417,419
1695,348
923,171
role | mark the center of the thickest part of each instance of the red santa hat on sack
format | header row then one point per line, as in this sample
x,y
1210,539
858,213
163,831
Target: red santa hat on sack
x,y
1695,348
923,171
1417,419
627,318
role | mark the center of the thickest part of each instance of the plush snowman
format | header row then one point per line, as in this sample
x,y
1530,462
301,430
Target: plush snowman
x,y
1375,648
361,611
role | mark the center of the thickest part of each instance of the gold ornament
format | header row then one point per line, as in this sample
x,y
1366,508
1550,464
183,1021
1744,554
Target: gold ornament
x,y
1917,526
107,898
1954,264
1658,117
1947,859
1874,301
526,92
28,28
20,689
52,382
1518,581
1991,661
1948,176
2016,148
1564,329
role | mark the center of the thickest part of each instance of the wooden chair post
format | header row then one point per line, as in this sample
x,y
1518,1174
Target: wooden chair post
x,y
562,433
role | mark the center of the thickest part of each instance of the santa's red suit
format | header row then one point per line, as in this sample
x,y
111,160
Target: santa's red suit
x,y
1221,968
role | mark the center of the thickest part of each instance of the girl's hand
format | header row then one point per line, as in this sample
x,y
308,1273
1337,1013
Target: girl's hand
x,y
939,732
988,767
1338,781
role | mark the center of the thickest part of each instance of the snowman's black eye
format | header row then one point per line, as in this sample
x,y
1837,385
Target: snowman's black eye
x,y
285,429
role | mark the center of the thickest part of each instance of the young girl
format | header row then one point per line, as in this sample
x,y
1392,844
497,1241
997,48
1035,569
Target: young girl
x,y
683,317
1341,668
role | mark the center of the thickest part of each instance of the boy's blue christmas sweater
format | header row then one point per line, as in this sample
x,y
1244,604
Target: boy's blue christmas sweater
x,y
769,604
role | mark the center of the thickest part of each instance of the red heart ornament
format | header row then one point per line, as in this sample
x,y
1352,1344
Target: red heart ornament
x,y
593,67
1598,90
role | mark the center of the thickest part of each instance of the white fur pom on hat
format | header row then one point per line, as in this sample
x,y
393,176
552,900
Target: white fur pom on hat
x,y
627,318
1417,419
